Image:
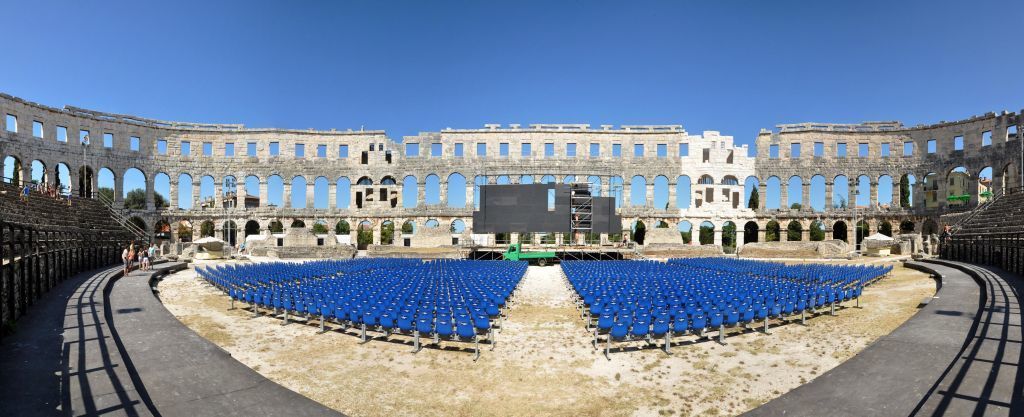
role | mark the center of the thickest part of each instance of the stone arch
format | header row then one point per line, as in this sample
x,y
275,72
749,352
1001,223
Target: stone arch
x,y
229,232
432,189
985,184
456,195
639,231
502,180
885,228
931,190
364,181
706,180
638,191
478,181
841,192
133,189
861,232
320,227
62,177
773,193
252,227
161,190
840,232
750,232
957,186
729,236
206,229
817,229
298,197
706,235
457,226
321,193
229,192
162,229
37,172
342,227
907,182
615,185
929,227
683,188
13,169
884,191
751,185
275,226
661,224
410,191
1011,176
526,179
207,191
794,231
432,223
388,180
184,191
364,234
685,229
106,180
569,179
387,232
343,193
772,231
907,226
730,180
252,189
795,191
409,227
661,192
297,223
864,191
816,190
595,185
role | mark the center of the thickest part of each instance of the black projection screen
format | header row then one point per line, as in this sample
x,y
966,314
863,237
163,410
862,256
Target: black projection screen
x,y
524,208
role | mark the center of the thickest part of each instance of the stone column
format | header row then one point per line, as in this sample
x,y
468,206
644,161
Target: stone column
x,y
173,197
762,195
805,201
649,194
332,195
196,197
118,191
895,193
805,234
972,190
376,234
150,204
828,195
310,186
626,202
851,189
917,196
264,194
783,195
286,197
718,235
873,192
828,233
740,237
469,193
73,187
783,232
218,201
672,197
762,234
240,193
421,194
443,193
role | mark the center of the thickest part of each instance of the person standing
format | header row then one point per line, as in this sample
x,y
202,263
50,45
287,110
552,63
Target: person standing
x,y
125,259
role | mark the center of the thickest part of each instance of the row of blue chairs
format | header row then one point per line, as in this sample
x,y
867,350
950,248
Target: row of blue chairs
x,y
648,300
456,300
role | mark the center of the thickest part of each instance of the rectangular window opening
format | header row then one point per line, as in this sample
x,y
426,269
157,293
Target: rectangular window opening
x,y
481,149
207,149
986,138
617,150
549,150
595,150
570,150
458,150
62,134
684,150
794,150
108,140
958,143
662,151
12,123
885,150
300,150
161,147
638,150
342,151
250,149
37,129
841,150
773,152
133,143
863,150
908,148
931,146
435,150
186,148
525,150
275,149
503,150
321,151
229,150
819,149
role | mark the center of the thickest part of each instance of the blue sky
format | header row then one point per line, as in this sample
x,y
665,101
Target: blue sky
x,y
407,67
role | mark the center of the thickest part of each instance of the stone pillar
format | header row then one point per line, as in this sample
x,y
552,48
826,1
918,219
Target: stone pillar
x,y
828,233
218,201
917,196
240,193
672,197
828,195
443,193
421,194
286,194
740,237
73,187
972,190
851,189
150,204
118,191
469,193
196,197
332,195
805,234
783,195
762,234
762,195
649,195
783,232
310,186
718,235
626,202
805,201
873,193
376,234
264,194
173,197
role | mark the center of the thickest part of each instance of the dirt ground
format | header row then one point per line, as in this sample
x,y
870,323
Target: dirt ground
x,y
543,362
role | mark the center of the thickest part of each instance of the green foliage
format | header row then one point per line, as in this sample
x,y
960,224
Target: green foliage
x,y
319,228
771,233
407,227
387,233
755,199
106,193
687,236
136,199
706,235
904,191
184,233
364,238
342,228
206,229
794,232
276,227
796,206
817,231
640,233
729,237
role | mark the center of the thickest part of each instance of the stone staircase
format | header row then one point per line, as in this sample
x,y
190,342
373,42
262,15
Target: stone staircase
x,y
1004,214
88,216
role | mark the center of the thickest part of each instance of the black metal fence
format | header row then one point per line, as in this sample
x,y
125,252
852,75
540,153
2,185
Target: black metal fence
x,y
36,260
1004,250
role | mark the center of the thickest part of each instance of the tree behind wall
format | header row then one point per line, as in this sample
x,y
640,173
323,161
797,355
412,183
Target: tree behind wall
x,y
904,191
106,193
755,199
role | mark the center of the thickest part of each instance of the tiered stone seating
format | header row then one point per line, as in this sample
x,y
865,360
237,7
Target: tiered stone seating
x,y
1006,214
85,215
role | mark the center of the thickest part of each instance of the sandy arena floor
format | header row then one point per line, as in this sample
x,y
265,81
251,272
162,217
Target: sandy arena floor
x,y
543,363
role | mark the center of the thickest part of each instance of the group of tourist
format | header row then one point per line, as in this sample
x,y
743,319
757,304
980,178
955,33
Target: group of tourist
x,y
54,192
143,256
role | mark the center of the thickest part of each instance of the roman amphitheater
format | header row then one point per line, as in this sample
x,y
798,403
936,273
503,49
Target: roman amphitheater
x,y
858,269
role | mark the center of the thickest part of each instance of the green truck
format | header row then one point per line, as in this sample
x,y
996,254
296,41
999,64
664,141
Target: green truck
x,y
515,253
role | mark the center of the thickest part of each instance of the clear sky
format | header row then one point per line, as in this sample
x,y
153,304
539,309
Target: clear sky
x,y
415,66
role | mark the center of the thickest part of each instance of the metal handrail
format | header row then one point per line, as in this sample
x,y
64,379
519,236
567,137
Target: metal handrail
x,y
120,217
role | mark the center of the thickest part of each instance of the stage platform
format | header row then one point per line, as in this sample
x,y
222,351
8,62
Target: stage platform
x,y
562,252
